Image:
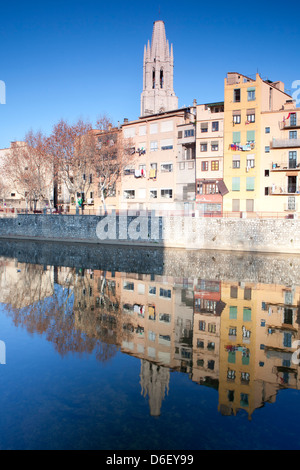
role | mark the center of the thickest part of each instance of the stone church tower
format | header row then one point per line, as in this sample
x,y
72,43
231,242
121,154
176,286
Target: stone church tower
x,y
158,95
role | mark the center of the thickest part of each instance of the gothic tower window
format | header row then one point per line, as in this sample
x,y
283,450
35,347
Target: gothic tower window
x,y
153,79
161,78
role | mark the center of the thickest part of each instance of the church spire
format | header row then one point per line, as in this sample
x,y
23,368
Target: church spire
x,y
158,94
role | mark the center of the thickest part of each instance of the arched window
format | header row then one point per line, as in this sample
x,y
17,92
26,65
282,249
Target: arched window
x,y
161,78
153,79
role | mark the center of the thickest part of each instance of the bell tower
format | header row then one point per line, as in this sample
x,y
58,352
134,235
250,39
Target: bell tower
x,y
158,94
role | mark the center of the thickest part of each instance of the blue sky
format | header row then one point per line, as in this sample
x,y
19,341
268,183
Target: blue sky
x,y
81,59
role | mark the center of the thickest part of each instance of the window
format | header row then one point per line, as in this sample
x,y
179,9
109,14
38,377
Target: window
x,y
142,130
249,205
214,146
236,162
166,144
152,290
204,166
202,325
167,126
215,165
267,173
237,95
236,117
233,292
153,128
215,126
189,153
235,184
153,193
287,340
293,119
166,293
293,135
246,314
235,205
142,193
165,317
166,167
292,184
129,194
203,148
267,149
166,193
291,203
251,136
204,127
250,161
128,285
232,313
161,78
267,130
292,159
250,117
189,133
250,182
153,146
247,293
236,137
251,94
212,328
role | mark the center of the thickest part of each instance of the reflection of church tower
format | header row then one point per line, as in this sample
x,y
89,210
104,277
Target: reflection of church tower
x,y
155,383
158,94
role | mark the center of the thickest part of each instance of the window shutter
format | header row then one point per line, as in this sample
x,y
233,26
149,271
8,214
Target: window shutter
x,y
235,184
250,136
236,137
250,183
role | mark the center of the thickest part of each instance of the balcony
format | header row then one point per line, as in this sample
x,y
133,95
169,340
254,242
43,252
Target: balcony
x,y
285,143
290,166
291,122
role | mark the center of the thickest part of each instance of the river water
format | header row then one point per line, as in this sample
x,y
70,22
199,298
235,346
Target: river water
x,y
147,350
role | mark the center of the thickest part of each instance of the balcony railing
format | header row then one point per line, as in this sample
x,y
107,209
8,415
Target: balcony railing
x,y
291,122
285,143
291,165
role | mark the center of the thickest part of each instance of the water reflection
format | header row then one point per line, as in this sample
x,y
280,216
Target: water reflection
x,y
233,336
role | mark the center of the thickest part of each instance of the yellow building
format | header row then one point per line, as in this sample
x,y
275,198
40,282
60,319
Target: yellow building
x,y
237,349
254,109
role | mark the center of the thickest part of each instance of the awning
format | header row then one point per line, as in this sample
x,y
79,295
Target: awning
x,y
222,188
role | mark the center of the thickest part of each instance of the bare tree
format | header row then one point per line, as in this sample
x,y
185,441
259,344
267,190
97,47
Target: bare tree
x,y
28,169
114,153
72,147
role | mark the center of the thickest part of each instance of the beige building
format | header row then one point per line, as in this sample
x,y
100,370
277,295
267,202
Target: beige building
x,y
210,187
153,181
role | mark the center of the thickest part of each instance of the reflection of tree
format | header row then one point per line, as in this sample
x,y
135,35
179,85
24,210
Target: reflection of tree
x,y
73,315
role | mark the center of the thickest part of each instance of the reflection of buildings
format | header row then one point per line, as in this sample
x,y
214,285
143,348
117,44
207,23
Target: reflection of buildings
x,y
208,307
235,337
258,327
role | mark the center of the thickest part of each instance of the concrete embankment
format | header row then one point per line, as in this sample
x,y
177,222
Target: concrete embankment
x,y
193,233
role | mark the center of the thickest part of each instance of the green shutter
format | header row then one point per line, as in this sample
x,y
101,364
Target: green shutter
x,y
247,314
250,136
251,88
236,137
231,357
235,183
250,183
232,313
